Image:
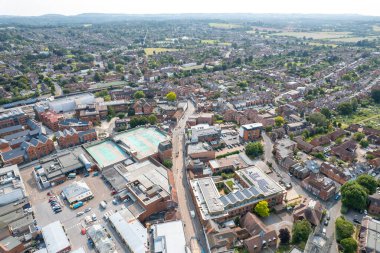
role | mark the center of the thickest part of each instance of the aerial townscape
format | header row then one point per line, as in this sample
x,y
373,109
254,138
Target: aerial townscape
x,y
190,133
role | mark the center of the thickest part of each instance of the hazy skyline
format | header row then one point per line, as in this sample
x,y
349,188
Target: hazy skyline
x,y
73,7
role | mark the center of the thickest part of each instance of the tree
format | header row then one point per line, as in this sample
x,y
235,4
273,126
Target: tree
x,y
318,119
284,236
152,119
262,209
279,121
254,149
139,94
354,195
375,94
345,108
97,77
349,245
344,229
364,143
359,136
326,111
168,163
300,231
368,182
171,96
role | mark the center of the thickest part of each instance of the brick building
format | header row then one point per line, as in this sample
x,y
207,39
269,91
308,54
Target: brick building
x,y
51,119
71,137
250,132
321,186
338,175
12,118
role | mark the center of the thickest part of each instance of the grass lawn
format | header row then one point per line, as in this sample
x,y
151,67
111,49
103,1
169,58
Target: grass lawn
x,y
230,184
283,249
369,116
157,50
209,41
224,25
192,67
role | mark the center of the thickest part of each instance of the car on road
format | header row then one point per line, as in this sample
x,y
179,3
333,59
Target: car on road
x,y
115,202
87,209
357,221
324,231
326,222
57,211
80,214
103,204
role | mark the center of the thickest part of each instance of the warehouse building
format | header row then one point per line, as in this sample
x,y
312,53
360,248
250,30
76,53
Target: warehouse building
x,y
55,238
77,191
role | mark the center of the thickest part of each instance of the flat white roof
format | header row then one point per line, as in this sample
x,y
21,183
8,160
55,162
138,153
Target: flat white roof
x,y
169,237
132,232
55,237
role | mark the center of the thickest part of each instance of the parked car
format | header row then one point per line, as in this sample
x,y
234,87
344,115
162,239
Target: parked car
x,y
87,209
93,217
80,214
103,204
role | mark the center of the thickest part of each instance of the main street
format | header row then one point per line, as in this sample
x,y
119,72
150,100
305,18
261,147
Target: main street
x,y
193,229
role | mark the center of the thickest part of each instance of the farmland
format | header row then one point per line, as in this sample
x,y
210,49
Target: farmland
x,y
157,50
224,25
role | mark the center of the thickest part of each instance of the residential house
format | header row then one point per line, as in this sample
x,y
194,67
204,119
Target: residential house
x,y
338,175
261,236
310,210
345,151
321,186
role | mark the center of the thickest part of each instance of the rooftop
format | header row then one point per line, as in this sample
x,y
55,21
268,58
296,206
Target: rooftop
x,y
169,237
132,232
55,237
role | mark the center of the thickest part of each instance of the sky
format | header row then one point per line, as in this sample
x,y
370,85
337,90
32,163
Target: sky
x,y
73,7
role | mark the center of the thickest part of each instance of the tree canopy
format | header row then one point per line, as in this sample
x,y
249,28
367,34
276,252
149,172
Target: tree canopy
x,y
354,195
301,230
349,245
262,209
279,121
171,96
254,149
139,94
344,229
284,236
368,182
318,119
375,94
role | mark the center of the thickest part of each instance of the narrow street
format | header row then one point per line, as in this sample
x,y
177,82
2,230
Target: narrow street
x,y
195,239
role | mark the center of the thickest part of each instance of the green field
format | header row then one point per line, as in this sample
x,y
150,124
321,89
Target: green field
x,y
224,25
209,41
213,42
157,50
314,35
192,67
369,116
354,39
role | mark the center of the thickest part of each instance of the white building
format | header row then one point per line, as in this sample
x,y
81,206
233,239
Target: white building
x,y
55,238
68,104
169,237
11,185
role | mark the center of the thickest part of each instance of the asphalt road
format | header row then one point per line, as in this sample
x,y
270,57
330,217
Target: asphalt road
x,y
194,235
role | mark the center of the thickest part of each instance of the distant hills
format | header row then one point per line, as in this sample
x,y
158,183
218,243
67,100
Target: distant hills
x,y
102,17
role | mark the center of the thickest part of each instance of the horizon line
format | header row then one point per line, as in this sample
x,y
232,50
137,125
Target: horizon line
x,y
190,13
